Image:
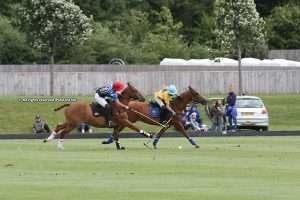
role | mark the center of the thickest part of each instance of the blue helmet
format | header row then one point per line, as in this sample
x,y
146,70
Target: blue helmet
x,y
172,90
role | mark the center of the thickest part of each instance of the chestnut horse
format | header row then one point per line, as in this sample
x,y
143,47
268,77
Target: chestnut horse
x,y
80,112
178,105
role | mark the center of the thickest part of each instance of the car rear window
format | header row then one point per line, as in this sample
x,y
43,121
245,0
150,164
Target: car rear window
x,y
249,103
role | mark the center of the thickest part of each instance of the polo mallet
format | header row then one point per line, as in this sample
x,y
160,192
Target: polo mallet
x,y
166,126
146,117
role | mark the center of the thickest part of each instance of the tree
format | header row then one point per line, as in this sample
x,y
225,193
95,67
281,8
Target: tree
x,y
238,28
14,48
197,19
135,40
55,24
264,7
284,27
164,40
7,7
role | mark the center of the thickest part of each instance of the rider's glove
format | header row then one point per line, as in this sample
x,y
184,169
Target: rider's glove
x,y
173,112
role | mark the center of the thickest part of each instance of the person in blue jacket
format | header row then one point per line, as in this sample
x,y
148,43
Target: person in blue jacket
x,y
231,111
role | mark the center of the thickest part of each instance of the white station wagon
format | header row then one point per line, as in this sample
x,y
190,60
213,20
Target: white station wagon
x,y
252,113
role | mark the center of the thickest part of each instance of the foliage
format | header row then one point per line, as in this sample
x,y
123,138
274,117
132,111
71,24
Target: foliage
x,y
13,45
139,41
55,24
133,29
264,7
8,7
239,26
284,27
197,19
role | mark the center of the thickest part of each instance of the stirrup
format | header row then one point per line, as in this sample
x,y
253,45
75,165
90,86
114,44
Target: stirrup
x,y
111,124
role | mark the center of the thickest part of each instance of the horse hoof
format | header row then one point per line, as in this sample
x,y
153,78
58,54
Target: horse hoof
x,y
61,148
121,148
197,146
145,144
154,147
44,141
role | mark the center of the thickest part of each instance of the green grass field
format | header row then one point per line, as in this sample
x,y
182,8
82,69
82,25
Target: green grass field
x,y
17,117
227,168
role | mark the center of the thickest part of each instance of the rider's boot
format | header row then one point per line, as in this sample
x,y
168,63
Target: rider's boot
x,y
108,140
108,111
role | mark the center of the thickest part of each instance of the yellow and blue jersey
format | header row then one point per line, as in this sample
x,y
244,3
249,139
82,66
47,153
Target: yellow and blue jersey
x,y
164,96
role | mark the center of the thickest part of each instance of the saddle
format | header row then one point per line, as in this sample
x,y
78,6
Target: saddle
x,y
154,110
97,110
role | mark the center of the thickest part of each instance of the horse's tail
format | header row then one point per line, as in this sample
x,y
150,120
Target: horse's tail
x,y
65,105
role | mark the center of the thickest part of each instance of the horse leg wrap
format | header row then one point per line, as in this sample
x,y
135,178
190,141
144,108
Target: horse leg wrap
x,y
144,133
155,141
60,144
119,147
51,136
192,141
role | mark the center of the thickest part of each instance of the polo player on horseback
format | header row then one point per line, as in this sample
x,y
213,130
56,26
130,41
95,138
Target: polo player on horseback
x,y
107,94
163,98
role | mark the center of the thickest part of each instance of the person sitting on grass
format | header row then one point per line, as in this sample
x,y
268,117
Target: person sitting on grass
x,y
192,118
40,125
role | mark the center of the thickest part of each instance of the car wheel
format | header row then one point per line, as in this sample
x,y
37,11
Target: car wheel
x,y
261,129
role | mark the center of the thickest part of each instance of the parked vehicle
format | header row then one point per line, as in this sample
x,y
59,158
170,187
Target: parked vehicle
x,y
252,113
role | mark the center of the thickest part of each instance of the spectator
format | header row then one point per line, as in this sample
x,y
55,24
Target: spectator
x,y
217,113
223,102
83,128
191,118
40,125
185,114
231,112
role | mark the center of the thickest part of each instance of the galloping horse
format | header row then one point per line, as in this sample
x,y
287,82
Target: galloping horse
x,y
81,112
178,105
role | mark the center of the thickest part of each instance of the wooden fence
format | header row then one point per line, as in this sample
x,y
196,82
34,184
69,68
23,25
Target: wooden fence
x,y
82,79
289,54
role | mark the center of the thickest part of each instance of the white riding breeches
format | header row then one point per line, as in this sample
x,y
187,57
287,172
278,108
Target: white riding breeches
x,y
100,100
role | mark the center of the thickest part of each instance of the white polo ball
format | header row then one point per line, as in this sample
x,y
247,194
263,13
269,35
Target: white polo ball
x,y
179,147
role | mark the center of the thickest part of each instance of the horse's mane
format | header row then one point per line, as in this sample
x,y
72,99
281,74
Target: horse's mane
x,y
131,91
179,98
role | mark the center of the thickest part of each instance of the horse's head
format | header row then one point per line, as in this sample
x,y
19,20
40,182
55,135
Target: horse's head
x,y
186,97
196,97
132,93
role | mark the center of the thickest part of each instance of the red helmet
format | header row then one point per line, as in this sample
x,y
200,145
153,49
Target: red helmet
x,y
118,85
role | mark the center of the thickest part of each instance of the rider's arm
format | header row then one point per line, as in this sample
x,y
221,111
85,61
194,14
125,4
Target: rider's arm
x,y
121,104
167,100
170,109
115,99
